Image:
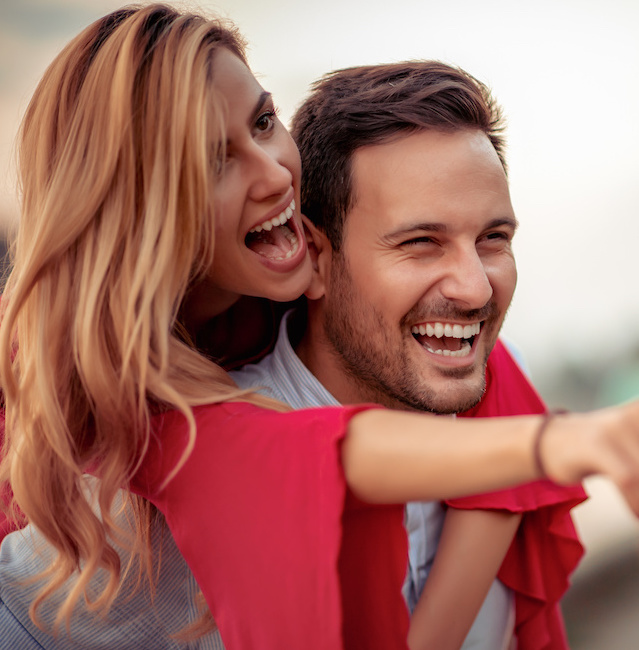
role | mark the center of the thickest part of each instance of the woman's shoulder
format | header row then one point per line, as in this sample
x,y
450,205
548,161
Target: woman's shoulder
x,y
242,435
251,414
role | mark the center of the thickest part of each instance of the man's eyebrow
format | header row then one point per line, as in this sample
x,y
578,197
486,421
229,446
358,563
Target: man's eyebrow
x,y
417,227
434,227
511,222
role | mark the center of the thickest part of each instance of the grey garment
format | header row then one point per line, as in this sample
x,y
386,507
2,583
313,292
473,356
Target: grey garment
x,y
283,376
134,622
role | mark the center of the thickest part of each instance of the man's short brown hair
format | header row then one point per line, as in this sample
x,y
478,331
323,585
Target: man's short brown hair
x,y
351,108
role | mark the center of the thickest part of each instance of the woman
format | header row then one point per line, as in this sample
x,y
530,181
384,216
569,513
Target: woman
x,y
158,188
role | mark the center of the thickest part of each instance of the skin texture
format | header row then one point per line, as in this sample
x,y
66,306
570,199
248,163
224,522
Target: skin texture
x,y
427,240
258,180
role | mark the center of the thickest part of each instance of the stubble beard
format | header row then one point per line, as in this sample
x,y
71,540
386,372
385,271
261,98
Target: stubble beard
x,y
383,371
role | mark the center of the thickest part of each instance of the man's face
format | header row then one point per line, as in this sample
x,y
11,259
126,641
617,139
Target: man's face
x,y
416,297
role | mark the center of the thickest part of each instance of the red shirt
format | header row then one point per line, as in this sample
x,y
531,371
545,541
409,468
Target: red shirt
x,y
284,555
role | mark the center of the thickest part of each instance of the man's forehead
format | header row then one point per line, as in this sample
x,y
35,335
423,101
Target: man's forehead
x,y
428,141
421,177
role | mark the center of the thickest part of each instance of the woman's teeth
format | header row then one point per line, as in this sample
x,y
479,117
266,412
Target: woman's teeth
x,y
275,238
279,220
294,246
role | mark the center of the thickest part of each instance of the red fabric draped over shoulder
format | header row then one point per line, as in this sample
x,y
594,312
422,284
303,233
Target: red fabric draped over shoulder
x,y
285,556
546,548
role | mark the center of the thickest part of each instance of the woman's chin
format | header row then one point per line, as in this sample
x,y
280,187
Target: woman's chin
x,y
287,286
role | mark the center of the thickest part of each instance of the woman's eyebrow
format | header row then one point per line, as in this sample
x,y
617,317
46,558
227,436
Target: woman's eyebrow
x,y
259,105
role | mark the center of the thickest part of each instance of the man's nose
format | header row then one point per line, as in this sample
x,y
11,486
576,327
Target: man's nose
x,y
466,280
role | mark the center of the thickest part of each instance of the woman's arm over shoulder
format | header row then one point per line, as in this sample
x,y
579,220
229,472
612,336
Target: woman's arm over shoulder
x,y
394,457
241,432
262,496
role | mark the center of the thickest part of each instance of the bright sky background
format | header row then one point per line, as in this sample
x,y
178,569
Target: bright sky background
x,y
566,72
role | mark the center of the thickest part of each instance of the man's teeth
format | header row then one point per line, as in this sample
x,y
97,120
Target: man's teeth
x,y
457,331
279,220
452,331
462,352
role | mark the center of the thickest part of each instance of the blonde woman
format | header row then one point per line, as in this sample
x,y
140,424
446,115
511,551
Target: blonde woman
x,y
158,188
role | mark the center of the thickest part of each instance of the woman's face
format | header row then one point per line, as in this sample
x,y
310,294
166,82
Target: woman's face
x,y
260,249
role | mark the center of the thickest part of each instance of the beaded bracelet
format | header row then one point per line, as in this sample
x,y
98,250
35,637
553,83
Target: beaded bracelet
x,y
546,420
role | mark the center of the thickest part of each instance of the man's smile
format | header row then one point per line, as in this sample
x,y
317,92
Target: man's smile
x,y
446,339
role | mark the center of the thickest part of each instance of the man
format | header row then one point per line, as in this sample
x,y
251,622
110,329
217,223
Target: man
x,y
413,224
410,228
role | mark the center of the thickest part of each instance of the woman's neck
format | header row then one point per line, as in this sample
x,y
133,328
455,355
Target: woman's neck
x,y
203,302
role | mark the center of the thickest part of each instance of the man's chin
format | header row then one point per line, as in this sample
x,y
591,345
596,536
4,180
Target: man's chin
x,y
448,408
457,396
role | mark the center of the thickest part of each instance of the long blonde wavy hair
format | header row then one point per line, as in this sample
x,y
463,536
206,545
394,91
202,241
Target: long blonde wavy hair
x,y
117,159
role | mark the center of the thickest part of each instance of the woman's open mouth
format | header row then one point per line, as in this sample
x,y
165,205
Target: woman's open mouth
x,y
276,239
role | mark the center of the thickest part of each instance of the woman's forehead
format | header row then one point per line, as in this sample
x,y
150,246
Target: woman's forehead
x,y
233,79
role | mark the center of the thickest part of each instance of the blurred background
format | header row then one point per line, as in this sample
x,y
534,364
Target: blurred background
x,y
566,73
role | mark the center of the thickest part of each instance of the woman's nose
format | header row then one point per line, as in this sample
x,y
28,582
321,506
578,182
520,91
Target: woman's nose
x,y
270,176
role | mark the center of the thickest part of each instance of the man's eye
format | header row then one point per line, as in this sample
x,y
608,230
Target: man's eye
x,y
417,240
498,236
266,120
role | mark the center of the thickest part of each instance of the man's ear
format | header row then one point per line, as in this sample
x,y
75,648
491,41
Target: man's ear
x,y
321,253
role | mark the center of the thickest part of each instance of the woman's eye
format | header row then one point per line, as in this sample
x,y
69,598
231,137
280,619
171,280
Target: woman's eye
x,y
266,120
